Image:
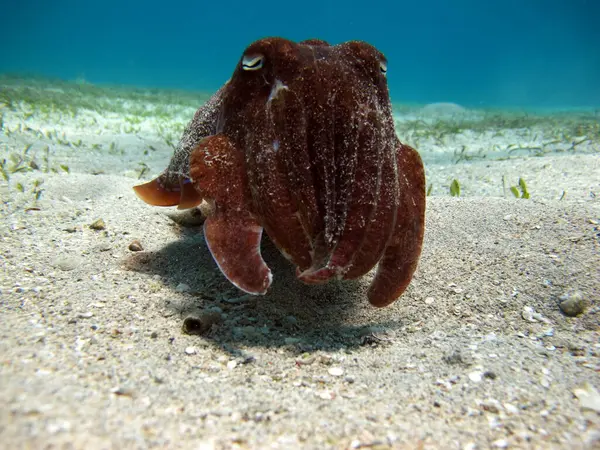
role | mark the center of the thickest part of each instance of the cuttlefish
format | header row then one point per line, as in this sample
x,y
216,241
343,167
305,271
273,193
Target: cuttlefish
x,y
300,143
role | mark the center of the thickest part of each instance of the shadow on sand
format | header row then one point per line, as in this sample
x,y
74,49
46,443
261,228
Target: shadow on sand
x,y
301,317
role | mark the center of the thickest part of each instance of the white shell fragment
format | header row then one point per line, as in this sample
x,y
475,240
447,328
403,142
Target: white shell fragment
x,y
336,371
476,377
589,397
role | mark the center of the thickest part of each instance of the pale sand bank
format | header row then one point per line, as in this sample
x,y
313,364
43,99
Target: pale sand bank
x,y
91,348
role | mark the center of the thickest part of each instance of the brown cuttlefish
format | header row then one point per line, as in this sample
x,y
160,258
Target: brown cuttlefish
x,y
300,142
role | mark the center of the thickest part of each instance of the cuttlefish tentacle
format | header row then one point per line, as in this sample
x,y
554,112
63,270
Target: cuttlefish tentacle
x,y
232,233
401,256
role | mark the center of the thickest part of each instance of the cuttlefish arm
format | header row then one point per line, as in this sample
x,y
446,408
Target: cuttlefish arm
x,y
396,268
217,174
231,231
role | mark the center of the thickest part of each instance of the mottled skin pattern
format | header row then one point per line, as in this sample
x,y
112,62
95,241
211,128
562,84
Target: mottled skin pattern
x,y
202,125
301,143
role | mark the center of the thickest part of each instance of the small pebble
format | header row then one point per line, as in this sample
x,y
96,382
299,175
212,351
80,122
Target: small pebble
x,y
530,315
249,359
336,371
232,364
58,427
475,377
136,246
527,314
98,224
491,405
305,359
429,301
490,375
190,350
85,315
572,305
500,443
122,391
326,395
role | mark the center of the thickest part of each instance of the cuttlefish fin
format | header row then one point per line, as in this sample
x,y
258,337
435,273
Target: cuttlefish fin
x,y
232,234
190,197
157,193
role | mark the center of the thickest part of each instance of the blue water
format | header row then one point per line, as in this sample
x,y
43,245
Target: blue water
x,y
524,53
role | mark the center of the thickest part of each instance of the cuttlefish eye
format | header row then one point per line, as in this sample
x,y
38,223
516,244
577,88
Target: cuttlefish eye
x,y
252,62
383,67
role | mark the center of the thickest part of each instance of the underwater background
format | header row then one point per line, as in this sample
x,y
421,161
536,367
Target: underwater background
x,y
510,53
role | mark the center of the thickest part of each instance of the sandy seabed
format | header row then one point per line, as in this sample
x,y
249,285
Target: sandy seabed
x,y
478,353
